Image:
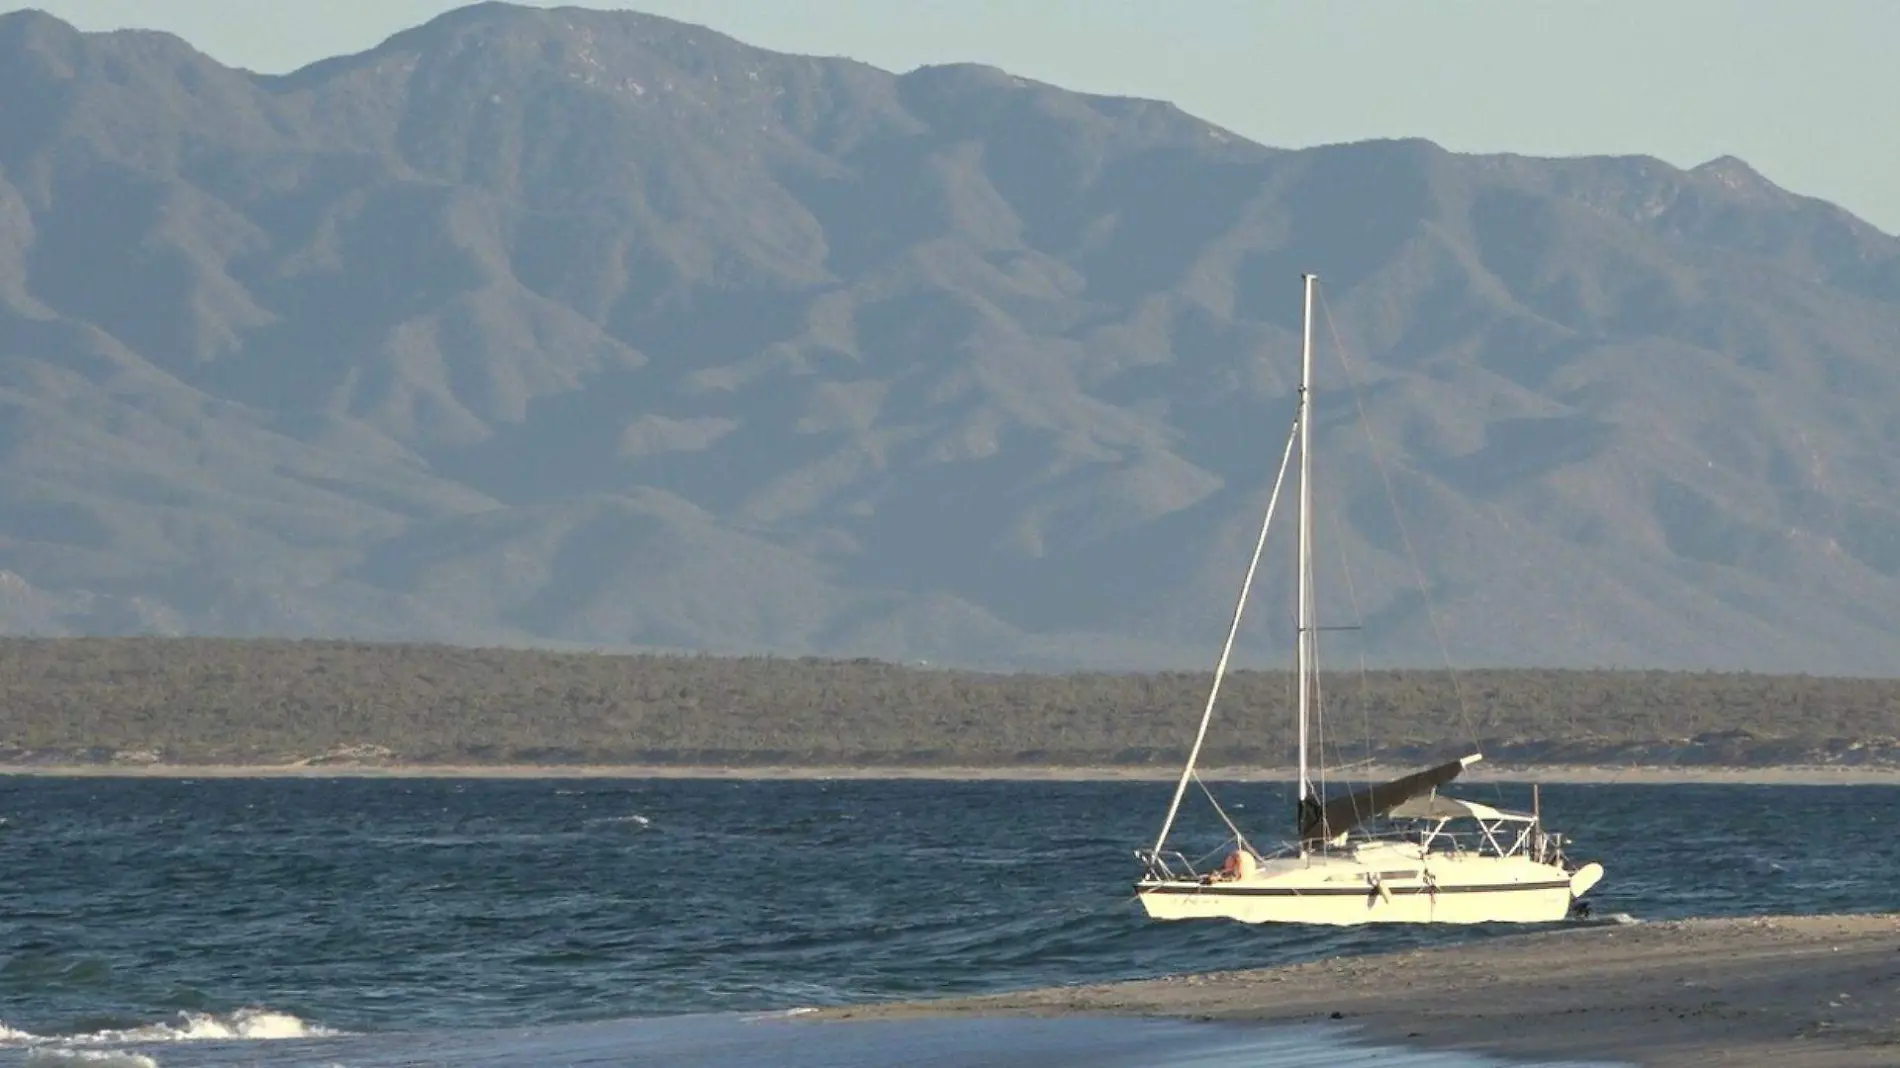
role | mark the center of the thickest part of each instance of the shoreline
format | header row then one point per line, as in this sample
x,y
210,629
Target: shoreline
x,y
1658,775
1788,991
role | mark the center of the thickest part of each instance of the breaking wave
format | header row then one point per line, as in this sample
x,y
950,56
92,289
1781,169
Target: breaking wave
x,y
253,1024
91,1058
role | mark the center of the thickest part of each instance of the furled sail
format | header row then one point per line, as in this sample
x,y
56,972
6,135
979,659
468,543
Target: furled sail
x,y
1342,814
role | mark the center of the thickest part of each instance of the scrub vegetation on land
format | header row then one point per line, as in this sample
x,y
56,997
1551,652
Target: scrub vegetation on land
x,y
266,702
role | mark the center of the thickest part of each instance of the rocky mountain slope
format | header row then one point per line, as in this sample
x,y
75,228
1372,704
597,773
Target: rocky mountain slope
x,y
585,328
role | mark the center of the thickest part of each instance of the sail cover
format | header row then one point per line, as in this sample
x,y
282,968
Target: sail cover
x,y
1342,814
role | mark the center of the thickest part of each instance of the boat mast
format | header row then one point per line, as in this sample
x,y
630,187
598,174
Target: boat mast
x,y
1305,595
1233,630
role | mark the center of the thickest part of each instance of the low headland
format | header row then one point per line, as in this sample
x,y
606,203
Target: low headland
x,y
1782,991
209,707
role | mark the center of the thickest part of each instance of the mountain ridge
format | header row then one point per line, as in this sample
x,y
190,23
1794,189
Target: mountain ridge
x,y
546,326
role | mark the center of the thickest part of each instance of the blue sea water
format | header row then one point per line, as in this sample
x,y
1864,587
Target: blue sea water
x,y
370,922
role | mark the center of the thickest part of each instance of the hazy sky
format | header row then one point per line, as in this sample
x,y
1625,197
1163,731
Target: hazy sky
x,y
1809,93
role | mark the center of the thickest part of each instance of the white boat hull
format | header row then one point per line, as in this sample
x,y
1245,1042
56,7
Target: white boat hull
x,y
1385,885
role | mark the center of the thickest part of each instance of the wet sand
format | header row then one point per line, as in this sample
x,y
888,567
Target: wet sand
x,y
1786,775
1793,992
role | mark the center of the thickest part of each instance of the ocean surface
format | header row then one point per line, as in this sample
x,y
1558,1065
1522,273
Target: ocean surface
x,y
361,922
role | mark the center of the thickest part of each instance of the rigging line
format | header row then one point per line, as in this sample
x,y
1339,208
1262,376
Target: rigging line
x,y
1202,859
1319,699
1233,629
1311,593
1319,716
1238,836
1378,459
1358,617
1288,691
1314,659
1319,688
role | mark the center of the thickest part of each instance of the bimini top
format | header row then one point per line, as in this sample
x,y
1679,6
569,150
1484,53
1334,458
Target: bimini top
x,y
1438,807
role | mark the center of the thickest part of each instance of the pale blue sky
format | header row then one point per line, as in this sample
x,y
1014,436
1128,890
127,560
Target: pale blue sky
x,y
1809,93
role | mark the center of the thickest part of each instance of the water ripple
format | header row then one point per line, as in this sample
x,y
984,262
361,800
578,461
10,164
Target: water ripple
x,y
379,906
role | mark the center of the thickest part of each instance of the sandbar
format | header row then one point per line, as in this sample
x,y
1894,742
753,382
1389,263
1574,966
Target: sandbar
x,y
1789,991
1777,775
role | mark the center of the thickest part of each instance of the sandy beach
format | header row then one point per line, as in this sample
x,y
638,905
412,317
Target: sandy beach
x,y
1793,992
1791,775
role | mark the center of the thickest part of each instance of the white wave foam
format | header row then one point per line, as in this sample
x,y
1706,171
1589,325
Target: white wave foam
x,y
635,820
1608,919
251,1024
92,1058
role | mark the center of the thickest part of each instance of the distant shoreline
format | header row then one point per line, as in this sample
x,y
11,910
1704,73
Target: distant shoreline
x,y
187,705
1784,775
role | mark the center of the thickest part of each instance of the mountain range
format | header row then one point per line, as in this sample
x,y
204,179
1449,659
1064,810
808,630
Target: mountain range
x,y
595,329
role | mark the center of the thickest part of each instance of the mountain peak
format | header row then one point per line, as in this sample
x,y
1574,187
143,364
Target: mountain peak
x,y
62,45
1736,175
33,28
967,75
35,19
1725,164
518,30
500,16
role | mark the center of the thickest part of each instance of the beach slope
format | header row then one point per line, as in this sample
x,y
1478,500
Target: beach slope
x,y
1796,992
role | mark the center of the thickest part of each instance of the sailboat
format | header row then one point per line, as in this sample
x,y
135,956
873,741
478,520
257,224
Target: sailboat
x,y
1395,852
